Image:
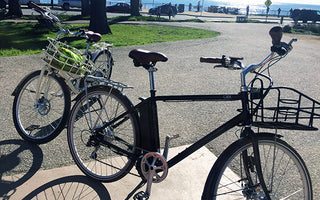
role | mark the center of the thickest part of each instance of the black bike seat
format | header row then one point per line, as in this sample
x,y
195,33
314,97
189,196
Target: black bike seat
x,y
143,57
96,37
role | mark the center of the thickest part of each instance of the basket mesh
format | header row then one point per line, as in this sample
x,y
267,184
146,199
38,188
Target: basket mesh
x,y
284,108
64,57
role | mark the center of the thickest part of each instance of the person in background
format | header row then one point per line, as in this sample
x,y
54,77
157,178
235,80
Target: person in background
x,y
170,11
247,14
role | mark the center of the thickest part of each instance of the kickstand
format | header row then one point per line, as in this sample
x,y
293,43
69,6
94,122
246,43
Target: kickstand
x,y
140,185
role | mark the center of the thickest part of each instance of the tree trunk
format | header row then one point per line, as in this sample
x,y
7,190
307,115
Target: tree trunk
x,y
98,17
134,5
85,7
14,8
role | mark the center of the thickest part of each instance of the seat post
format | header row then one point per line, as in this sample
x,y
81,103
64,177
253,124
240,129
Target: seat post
x,y
152,69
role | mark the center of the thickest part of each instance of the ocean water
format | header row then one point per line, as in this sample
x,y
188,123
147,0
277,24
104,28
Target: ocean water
x,y
254,8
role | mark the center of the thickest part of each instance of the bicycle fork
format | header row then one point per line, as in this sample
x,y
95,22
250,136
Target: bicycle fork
x,y
43,104
257,161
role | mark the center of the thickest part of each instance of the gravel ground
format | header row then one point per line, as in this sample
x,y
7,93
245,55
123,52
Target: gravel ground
x,y
182,74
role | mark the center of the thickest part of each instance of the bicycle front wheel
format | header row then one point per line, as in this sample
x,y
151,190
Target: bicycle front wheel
x,y
234,175
103,64
41,120
105,154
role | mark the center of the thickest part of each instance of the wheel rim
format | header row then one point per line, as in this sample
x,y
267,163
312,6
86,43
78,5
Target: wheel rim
x,y
284,181
38,120
103,64
93,157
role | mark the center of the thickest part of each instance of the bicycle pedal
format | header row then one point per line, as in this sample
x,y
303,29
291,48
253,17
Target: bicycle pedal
x,y
141,196
175,136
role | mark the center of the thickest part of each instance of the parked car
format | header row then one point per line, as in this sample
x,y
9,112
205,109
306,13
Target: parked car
x,y
233,11
305,15
66,4
119,7
163,10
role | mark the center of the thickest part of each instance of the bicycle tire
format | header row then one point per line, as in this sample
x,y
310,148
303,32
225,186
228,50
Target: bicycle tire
x,y
103,63
284,172
89,150
41,122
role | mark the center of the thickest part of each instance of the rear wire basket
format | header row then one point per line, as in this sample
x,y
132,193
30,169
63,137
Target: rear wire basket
x,y
58,60
283,108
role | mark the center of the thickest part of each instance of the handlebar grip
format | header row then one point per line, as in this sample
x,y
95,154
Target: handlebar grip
x,y
36,7
210,60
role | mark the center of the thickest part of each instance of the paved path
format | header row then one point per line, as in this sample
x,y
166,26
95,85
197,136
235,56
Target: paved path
x,y
184,181
182,74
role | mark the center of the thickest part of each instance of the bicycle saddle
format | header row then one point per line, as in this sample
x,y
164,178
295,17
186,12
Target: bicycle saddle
x,y
95,37
143,57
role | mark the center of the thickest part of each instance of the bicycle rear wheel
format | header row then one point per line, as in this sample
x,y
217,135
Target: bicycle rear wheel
x,y
41,120
109,154
103,64
234,175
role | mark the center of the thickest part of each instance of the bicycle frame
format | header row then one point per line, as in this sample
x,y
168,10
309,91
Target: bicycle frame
x,y
239,119
68,79
46,13
149,132
149,127
149,117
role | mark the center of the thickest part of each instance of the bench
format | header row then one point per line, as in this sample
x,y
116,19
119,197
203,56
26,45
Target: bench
x,y
241,19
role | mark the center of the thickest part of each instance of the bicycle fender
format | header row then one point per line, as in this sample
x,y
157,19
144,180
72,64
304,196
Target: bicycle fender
x,y
15,91
95,55
83,92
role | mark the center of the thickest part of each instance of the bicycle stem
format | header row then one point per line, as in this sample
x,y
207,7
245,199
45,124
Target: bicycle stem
x,y
251,68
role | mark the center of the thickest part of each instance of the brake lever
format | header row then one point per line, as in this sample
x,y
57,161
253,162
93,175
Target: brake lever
x,y
292,40
230,67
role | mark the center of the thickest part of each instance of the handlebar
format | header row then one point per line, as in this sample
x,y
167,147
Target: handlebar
x,y
36,7
230,62
281,48
278,47
46,13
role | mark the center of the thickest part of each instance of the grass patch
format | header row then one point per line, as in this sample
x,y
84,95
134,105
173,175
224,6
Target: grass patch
x,y
23,38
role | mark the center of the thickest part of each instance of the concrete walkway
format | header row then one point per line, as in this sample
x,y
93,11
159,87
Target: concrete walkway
x,y
186,180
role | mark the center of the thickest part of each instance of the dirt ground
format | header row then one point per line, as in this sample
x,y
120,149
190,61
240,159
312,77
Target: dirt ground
x,y
309,38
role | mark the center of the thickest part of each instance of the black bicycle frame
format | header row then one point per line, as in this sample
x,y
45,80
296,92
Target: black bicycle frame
x,y
149,131
148,117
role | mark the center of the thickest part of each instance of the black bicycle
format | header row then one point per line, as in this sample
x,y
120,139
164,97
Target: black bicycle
x,y
108,135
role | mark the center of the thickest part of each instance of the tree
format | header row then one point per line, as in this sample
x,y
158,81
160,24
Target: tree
x,y
85,7
98,17
134,5
14,8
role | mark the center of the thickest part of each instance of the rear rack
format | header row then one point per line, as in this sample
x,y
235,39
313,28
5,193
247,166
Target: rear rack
x,y
283,108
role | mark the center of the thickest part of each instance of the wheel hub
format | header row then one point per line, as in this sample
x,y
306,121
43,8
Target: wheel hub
x,y
43,106
253,192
